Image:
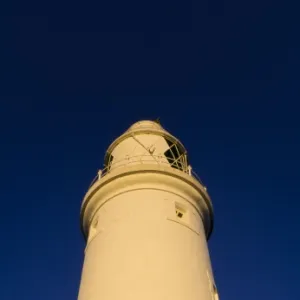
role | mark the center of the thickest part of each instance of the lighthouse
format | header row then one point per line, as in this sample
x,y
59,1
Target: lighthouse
x,y
146,219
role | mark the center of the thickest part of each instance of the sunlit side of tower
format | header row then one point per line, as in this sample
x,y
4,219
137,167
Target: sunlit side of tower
x,y
146,219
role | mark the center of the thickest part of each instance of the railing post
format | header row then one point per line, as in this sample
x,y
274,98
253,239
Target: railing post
x,y
190,170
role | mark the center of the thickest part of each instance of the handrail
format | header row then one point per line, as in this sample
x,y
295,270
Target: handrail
x,y
159,159
107,169
194,174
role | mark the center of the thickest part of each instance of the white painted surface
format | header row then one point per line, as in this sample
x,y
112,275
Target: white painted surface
x,y
142,148
138,247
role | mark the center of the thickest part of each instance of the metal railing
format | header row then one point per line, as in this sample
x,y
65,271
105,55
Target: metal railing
x,y
147,159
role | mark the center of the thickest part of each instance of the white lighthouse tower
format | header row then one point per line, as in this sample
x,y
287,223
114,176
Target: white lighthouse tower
x,y
146,219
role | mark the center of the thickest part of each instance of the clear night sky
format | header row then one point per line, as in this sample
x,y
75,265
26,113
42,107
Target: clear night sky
x,y
223,76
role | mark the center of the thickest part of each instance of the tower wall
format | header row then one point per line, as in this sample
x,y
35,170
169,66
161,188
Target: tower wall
x,y
146,221
146,239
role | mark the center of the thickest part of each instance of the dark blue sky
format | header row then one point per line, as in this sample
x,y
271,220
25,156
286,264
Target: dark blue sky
x,y
223,76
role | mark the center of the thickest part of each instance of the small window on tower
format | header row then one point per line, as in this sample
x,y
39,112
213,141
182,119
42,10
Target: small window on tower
x,y
179,210
179,214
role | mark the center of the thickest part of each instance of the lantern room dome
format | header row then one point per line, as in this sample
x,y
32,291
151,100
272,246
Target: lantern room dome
x,y
145,124
146,142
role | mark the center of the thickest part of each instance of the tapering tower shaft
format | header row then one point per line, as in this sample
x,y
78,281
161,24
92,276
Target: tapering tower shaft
x,y
146,220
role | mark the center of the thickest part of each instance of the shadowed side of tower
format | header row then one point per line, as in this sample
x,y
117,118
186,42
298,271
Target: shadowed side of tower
x,y
146,220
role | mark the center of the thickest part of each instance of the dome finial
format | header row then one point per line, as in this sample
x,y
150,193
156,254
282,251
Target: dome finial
x,y
157,121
